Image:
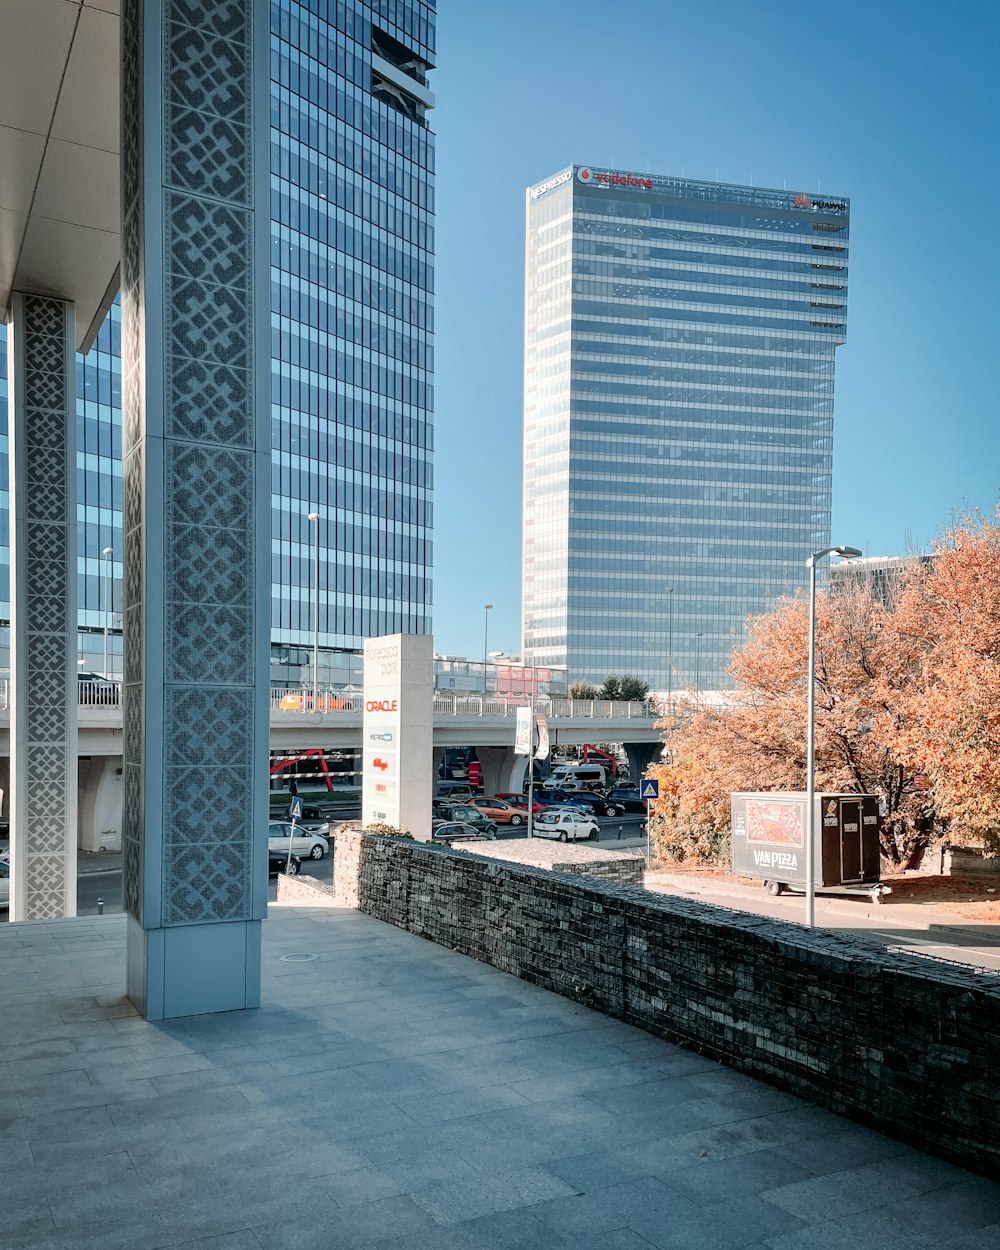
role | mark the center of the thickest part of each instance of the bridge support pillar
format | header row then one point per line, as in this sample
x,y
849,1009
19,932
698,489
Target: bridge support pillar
x,y
43,578
640,755
100,804
503,771
196,500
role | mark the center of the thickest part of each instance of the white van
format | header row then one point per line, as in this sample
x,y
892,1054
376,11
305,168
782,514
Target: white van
x,y
581,776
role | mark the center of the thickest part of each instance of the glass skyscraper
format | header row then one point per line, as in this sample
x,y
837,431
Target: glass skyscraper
x,y
352,208
678,415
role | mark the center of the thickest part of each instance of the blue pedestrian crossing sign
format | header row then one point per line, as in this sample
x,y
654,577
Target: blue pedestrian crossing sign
x,y
649,789
295,808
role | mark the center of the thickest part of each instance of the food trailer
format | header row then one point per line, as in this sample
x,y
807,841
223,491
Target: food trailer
x,y
769,841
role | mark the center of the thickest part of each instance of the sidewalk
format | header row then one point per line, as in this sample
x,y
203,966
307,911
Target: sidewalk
x,y
391,1094
891,914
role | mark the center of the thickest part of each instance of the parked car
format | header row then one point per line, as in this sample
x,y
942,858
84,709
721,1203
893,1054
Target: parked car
x,y
281,833
457,831
585,800
95,690
443,813
457,791
279,861
521,801
502,812
314,821
566,825
627,798
594,804
4,885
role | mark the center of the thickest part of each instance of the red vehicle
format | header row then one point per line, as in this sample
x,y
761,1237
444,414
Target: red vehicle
x,y
594,755
521,801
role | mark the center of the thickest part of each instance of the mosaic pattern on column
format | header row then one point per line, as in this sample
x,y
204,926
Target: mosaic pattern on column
x,y
133,476
205,416
44,714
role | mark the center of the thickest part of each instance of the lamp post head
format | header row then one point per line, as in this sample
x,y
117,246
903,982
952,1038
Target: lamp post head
x,y
313,516
848,553
487,606
108,551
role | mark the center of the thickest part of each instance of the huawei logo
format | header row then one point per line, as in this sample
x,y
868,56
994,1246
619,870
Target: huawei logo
x,y
802,201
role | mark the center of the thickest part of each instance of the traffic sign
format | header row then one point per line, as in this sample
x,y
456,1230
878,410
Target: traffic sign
x,y
649,788
295,808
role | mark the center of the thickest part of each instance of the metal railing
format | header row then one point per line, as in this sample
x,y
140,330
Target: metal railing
x,y
446,703
451,703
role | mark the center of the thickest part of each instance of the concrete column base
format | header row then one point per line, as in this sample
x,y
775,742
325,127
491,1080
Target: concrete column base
x,y
190,970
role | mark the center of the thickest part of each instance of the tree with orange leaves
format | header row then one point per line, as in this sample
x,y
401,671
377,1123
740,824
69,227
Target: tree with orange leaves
x,y
756,738
948,617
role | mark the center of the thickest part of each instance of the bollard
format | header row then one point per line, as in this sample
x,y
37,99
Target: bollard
x,y
100,906
620,827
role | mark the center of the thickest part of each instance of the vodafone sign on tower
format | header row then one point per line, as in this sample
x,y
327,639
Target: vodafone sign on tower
x,y
397,733
603,178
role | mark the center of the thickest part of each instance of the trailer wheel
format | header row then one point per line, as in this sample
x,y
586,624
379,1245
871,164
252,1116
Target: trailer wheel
x,y
774,888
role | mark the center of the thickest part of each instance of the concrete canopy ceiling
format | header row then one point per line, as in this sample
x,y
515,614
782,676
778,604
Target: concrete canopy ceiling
x,y
59,201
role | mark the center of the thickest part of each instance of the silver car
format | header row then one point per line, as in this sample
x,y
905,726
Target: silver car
x,y
282,836
566,824
4,885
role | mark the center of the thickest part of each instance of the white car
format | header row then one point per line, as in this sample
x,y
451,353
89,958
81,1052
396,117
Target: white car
x,y
281,833
565,824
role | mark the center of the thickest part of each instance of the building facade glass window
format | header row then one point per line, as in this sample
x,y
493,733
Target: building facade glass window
x,y
678,420
352,279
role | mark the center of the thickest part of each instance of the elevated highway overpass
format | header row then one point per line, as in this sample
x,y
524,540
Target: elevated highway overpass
x,y
336,724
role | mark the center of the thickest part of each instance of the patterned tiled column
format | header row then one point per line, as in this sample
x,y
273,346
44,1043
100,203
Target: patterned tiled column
x,y
196,500
43,608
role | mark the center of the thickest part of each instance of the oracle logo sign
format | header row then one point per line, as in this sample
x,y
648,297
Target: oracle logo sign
x,y
382,705
589,178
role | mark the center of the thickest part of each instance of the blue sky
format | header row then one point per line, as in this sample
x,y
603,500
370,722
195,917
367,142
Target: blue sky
x,y
892,103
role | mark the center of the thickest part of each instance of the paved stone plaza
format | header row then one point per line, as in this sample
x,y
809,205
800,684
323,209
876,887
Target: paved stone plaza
x,y
392,1093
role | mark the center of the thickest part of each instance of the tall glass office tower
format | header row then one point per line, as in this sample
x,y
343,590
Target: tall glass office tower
x,y
678,415
352,207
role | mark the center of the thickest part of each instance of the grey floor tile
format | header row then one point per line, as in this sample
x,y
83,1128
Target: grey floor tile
x,y
969,1206
431,1108
226,1241
862,1230
20,1184
364,1224
731,1225
617,1206
856,1189
850,1146
486,1194
506,1230
980,1239
708,1180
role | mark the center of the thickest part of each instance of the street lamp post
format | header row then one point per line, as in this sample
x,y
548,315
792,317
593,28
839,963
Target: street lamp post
x,y
107,553
486,645
670,644
848,553
314,519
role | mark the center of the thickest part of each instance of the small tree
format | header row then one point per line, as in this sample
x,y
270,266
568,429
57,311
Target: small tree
x,y
623,688
633,688
583,690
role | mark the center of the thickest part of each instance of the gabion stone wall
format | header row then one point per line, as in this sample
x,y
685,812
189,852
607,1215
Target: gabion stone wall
x,y
907,1045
